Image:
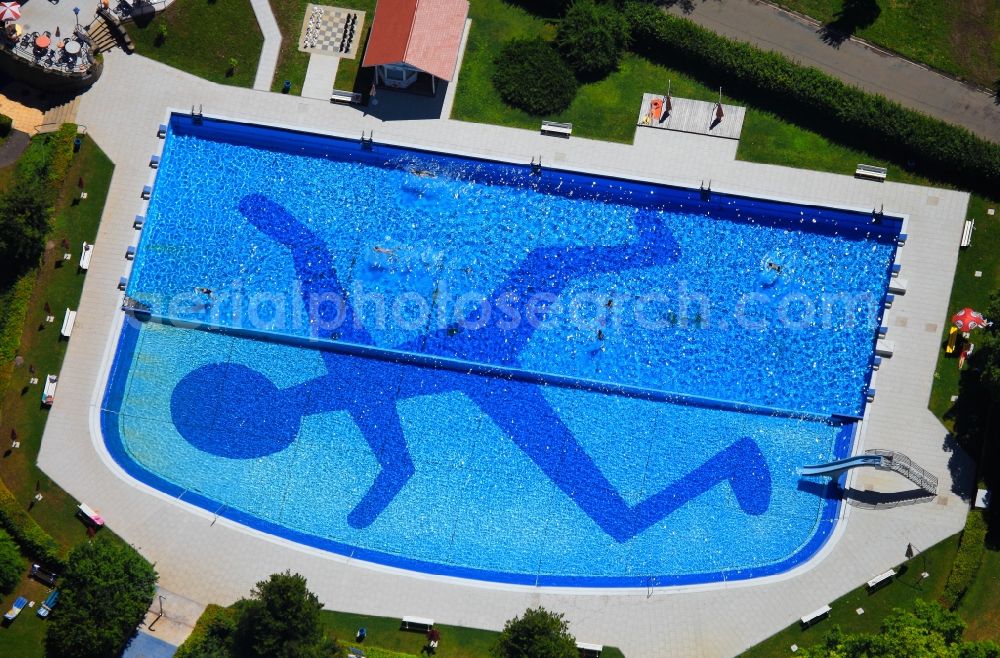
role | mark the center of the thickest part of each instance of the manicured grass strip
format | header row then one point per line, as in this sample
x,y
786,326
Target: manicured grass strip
x,y
899,594
292,63
59,286
980,607
202,36
965,416
961,38
384,633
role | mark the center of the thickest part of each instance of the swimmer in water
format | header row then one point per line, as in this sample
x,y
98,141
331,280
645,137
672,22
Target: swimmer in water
x,y
423,173
204,291
382,250
600,334
610,303
774,266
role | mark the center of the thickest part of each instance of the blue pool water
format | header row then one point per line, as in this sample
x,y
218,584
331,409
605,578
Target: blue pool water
x,y
459,367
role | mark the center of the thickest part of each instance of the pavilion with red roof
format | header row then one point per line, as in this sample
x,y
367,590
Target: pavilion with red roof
x,y
410,37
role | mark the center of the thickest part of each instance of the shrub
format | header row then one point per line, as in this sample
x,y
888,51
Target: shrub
x,y
814,99
591,39
212,635
530,75
538,634
34,541
12,565
5,125
106,591
966,564
281,620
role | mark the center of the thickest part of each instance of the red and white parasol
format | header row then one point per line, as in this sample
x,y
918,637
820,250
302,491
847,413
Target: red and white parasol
x,y
10,11
967,320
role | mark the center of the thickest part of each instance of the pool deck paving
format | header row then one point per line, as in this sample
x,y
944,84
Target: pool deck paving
x,y
210,559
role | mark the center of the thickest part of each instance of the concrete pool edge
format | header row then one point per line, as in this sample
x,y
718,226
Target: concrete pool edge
x,y
814,545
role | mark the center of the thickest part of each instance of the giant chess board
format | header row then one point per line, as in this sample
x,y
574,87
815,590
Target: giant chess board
x,y
331,31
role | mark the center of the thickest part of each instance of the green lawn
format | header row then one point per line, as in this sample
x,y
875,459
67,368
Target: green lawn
x,y
24,636
980,607
202,37
292,63
384,633
899,594
961,38
61,286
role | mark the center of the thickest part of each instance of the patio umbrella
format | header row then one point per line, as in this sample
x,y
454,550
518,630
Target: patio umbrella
x,y
10,11
967,320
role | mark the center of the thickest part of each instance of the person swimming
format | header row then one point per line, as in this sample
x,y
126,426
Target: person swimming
x,y
774,266
204,291
383,250
423,173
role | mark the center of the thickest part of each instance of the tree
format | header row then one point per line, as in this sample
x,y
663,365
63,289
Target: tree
x,y
530,75
592,38
537,634
24,222
989,347
12,565
281,620
105,592
928,631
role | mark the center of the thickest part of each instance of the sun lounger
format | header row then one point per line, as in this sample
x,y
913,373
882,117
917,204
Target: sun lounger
x,y
90,515
15,609
68,321
49,392
88,251
48,604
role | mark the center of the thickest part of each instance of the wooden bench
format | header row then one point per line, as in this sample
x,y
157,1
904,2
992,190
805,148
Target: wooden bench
x,y
420,624
870,171
338,96
556,128
880,580
587,650
815,616
970,226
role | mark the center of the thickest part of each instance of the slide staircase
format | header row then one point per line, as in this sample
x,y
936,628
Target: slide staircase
x,y
884,460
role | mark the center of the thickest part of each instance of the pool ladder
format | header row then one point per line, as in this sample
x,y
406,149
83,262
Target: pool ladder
x,y
536,167
368,143
198,116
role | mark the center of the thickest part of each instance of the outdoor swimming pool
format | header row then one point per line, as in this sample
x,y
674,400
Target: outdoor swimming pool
x,y
462,367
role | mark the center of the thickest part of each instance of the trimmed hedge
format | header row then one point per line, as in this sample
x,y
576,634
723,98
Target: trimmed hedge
x,y
967,561
14,307
5,125
814,99
13,311
530,75
35,542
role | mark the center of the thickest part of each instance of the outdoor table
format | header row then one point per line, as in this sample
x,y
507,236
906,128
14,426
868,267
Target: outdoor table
x,y
72,47
43,41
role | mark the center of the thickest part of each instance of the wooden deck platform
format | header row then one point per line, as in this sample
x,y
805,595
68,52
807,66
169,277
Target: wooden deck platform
x,y
692,116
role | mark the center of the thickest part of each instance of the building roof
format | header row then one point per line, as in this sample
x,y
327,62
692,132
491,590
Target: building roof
x,y
425,34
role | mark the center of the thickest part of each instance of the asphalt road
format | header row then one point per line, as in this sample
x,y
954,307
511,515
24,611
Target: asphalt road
x,y
856,63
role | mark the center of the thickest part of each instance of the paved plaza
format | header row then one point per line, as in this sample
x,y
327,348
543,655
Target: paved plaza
x,y
208,559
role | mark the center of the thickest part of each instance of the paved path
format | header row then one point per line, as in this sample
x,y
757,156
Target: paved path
x,y
272,44
320,76
853,62
188,545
